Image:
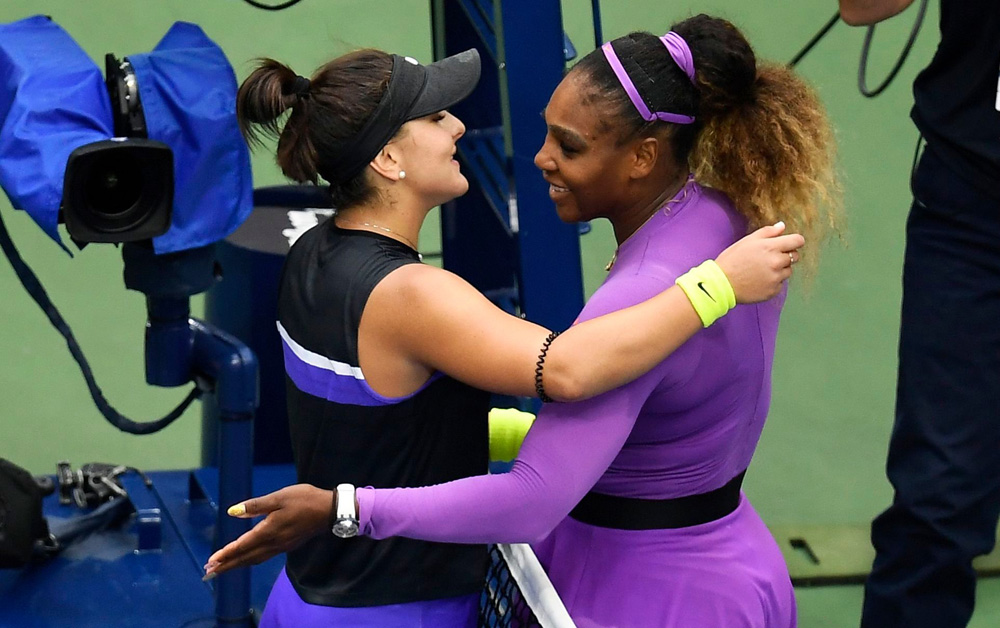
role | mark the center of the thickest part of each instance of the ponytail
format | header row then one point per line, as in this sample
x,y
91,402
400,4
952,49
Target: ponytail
x,y
774,156
313,118
765,139
263,99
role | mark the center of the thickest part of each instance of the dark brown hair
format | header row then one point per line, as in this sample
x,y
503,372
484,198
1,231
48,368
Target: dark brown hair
x,y
761,134
340,97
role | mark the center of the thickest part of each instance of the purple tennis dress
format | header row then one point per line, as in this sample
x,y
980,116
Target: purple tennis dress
x,y
687,427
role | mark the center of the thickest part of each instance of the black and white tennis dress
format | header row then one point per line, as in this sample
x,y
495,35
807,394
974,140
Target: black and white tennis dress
x,y
343,431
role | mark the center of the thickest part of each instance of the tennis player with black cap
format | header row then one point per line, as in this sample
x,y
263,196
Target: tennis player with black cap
x,y
387,358
413,91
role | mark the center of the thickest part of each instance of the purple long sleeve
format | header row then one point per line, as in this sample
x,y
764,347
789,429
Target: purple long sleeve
x,y
686,427
567,449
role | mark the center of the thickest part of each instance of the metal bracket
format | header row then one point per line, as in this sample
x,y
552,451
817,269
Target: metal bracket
x,y
820,555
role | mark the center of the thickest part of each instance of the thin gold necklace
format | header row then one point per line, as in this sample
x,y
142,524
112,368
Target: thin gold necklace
x,y
379,227
680,196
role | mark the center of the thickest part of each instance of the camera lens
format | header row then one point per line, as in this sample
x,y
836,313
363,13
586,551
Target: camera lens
x,y
114,187
118,190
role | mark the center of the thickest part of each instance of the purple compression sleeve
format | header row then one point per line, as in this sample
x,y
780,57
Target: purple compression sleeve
x,y
566,451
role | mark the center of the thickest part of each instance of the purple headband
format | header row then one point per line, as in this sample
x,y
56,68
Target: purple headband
x,y
679,52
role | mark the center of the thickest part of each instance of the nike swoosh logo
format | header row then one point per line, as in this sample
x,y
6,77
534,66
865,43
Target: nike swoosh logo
x,y
701,284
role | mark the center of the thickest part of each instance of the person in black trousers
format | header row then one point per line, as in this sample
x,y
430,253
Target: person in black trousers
x,y
944,453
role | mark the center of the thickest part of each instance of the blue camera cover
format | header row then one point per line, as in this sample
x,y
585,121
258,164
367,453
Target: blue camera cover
x,y
188,93
52,100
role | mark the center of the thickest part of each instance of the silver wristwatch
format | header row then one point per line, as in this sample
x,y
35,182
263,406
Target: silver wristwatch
x,y
345,524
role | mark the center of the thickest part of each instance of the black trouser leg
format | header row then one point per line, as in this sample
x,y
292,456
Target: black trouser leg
x,y
944,454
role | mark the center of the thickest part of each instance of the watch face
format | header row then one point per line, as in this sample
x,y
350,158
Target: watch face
x,y
345,528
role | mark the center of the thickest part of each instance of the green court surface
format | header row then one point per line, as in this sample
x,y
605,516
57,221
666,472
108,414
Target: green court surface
x,y
820,465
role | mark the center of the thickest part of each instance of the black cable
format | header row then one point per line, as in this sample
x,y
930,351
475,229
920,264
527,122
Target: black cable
x,y
815,40
30,282
866,47
863,65
272,7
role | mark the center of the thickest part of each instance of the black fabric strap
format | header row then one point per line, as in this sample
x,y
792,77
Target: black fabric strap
x,y
630,513
300,86
393,111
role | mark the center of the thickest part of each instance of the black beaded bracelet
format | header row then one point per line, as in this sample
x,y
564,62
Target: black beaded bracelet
x,y
539,388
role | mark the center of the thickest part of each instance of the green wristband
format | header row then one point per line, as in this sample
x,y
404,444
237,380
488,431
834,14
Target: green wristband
x,y
709,291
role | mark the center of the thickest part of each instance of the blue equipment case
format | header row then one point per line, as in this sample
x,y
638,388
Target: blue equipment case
x,y
145,574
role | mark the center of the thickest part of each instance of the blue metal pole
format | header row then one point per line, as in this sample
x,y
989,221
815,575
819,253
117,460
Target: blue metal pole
x,y
232,602
595,6
550,278
180,349
168,341
233,367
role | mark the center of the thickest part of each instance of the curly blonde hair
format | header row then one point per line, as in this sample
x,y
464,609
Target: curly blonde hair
x,y
775,158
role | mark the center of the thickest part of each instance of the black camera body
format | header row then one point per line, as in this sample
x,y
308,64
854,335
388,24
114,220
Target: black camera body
x,y
122,189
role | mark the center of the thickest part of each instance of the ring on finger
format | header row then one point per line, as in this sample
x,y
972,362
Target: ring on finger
x,y
791,258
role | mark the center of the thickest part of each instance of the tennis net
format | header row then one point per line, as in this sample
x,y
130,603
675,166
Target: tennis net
x,y
518,594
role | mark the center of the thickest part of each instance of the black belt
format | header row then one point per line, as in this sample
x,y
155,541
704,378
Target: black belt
x,y
631,513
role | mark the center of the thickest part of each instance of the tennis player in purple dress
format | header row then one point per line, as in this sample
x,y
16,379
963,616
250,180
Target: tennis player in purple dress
x,y
688,427
632,499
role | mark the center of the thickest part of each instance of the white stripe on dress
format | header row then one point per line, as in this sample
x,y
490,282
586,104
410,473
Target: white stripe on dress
x,y
317,360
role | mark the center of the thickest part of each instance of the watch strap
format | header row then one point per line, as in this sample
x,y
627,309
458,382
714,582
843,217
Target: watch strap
x,y
344,502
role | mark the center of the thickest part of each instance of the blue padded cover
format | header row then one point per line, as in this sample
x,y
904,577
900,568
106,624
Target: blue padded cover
x,y
188,93
52,100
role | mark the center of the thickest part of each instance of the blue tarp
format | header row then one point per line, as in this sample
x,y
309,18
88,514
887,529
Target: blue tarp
x,y
188,92
54,100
